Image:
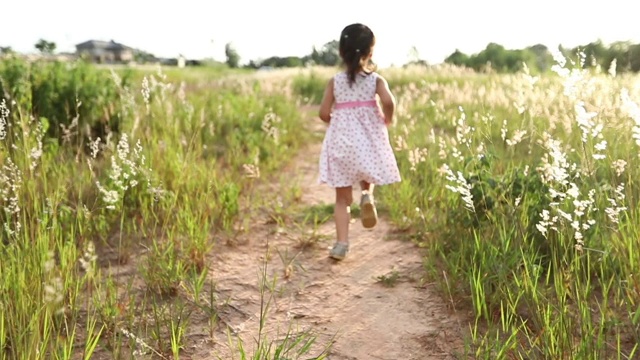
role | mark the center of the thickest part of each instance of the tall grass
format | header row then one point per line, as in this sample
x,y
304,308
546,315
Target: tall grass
x,y
165,183
524,191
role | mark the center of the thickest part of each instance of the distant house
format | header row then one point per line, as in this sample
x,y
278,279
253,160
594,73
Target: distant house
x,y
105,52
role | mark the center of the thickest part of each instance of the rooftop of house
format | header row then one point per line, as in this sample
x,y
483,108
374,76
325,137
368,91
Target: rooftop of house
x,y
99,44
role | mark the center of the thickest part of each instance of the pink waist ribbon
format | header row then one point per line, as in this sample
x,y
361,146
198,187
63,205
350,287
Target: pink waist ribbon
x,y
355,104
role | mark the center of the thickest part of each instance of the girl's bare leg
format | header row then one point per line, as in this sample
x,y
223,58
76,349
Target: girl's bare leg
x,y
369,214
365,186
344,198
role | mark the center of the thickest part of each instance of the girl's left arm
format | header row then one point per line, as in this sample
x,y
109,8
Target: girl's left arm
x,y
327,103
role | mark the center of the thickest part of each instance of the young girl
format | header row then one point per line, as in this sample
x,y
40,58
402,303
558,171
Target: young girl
x,y
356,146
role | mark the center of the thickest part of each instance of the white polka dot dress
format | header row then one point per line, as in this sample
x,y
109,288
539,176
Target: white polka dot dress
x,y
356,145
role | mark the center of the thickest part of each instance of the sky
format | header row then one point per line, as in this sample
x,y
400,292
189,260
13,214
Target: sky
x,y
257,29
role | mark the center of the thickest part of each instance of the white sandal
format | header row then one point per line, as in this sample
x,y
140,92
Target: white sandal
x,y
369,214
339,251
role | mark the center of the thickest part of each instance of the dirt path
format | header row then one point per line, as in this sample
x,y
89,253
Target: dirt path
x,y
346,305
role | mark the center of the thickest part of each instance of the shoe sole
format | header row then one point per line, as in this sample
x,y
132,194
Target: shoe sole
x,y
336,257
369,216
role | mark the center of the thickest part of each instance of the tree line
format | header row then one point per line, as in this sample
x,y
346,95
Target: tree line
x,y
624,54
327,55
495,57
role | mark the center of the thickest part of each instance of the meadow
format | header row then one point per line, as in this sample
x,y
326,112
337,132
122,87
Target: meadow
x,y
523,190
520,188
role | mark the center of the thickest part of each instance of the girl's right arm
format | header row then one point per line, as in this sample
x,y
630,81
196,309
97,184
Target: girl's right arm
x,y
386,98
327,103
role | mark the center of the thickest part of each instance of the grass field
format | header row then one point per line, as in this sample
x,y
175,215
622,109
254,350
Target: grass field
x,y
522,189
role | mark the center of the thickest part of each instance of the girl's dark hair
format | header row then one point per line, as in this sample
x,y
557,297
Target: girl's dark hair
x,y
356,43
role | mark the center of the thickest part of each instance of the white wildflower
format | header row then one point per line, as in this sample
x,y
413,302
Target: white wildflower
x,y
633,110
251,170
555,166
596,131
146,91
579,241
53,287
53,291
575,225
400,143
417,156
503,130
269,123
36,152
558,57
10,184
442,153
444,170
463,188
573,191
601,146
110,197
554,194
619,166
49,262
123,147
4,119
88,259
516,138
463,130
95,147
432,137
584,120
612,67
138,155
142,347
564,215
544,222
613,212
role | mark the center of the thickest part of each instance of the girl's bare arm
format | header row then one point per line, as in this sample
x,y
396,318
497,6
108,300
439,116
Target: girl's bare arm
x,y
387,99
327,102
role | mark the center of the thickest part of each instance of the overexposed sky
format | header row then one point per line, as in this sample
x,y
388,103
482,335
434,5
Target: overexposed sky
x,y
260,29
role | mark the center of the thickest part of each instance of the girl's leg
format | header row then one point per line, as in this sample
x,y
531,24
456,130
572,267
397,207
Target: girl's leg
x,y
344,198
369,214
365,186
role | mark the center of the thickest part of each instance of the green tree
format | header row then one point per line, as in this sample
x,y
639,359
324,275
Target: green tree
x,y
596,54
543,58
493,55
233,58
621,52
329,55
634,57
143,57
458,58
45,47
279,62
314,56
6,50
